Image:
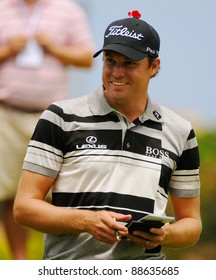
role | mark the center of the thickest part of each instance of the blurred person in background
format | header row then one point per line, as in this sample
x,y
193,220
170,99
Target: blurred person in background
x,y
39,40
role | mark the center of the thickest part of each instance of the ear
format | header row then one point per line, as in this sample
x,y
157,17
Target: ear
x,y
155,66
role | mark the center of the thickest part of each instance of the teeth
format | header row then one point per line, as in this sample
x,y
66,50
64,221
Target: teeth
x,y
118,83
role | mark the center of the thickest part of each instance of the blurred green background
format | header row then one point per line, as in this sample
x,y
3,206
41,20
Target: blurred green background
x,y
205,249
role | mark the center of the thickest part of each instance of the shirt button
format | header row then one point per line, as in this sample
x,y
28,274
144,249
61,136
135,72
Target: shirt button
x,y
142,118
128,145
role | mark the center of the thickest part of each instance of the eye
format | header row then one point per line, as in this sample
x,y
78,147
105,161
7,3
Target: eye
x,y
110,61
130,63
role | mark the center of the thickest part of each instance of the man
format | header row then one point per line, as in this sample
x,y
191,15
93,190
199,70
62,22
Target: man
x,y
39,40
109,158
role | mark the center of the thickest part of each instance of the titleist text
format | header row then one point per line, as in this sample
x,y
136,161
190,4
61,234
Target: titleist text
x,y
123,31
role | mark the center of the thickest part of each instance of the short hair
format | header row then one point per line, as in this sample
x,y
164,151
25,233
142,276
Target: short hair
x,y
151,60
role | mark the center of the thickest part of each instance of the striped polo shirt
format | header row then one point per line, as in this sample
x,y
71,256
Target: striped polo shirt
x,y
101,161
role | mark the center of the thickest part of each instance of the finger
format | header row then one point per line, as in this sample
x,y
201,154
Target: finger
x,y
119,227
121,217
142,234
112,221
109,237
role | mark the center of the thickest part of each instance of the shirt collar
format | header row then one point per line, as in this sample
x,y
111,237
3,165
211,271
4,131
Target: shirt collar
x,y
153,112
99,106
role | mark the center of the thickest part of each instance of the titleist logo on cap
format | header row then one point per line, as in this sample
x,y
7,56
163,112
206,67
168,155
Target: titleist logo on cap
x,y
116,30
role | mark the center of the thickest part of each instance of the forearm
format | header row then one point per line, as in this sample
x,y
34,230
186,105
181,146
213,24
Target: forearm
x,y
79,57
14,46
31,208
183,233
5,53
44,217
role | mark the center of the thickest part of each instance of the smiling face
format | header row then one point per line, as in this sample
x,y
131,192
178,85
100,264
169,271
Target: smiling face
x,y
126,81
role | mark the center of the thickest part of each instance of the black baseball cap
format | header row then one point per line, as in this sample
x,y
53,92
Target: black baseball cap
x,y
131,37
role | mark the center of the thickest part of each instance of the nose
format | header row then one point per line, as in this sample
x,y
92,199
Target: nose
x,y
118,71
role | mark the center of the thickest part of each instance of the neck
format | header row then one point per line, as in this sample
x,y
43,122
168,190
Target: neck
x,y
128,107
132,114
130,111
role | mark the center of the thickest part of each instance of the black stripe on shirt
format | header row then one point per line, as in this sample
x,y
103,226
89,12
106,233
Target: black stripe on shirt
x,y
49,133
191,135
100,201
165,177
189,160
149,124
105,139
153,125
85,119
138,143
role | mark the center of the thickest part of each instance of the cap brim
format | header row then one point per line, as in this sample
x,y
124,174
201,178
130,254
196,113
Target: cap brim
x,y
124,50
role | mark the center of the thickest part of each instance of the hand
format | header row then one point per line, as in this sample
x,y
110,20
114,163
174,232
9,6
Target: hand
x,y
45,41
80,56
102,225
17,44
149,240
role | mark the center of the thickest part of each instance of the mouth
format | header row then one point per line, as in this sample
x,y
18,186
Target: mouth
x,y
118,84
